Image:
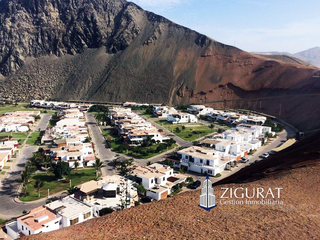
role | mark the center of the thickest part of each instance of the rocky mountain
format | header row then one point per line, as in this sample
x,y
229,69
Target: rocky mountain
x,y
307,57
295,170
311,56
112,50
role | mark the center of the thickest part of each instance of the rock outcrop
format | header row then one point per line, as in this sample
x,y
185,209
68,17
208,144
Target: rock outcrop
x,y
112,50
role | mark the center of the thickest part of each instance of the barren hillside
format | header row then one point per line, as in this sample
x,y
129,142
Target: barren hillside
x,y
112,50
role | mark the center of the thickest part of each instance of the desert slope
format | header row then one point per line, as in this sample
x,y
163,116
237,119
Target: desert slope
x,y
181,218
112,50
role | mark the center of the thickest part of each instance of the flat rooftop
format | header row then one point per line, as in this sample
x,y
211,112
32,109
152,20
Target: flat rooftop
x,y
68,207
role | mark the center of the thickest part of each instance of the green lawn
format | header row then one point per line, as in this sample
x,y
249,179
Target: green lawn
x,y
11,108
77,177
35,138
15,136
2,221
141,152
191,132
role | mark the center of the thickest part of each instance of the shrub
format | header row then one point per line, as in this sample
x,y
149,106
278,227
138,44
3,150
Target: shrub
x,y
189,180
217,175
105,211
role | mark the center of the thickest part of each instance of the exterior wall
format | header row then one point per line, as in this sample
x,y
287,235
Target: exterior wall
x,y
10,230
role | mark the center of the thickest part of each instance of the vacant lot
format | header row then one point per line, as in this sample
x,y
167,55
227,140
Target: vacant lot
x,y
119,146
188,131
20,137
35,138
54,186
12,108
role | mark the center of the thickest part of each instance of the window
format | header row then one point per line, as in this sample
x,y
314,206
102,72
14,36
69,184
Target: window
x,y
201,161
29,232
56,222
22,227
210,171
86,215
156,179
164,178
151,180
74,221
208,162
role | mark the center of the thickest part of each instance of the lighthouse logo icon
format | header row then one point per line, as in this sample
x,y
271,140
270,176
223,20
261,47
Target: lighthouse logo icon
x,y
207,198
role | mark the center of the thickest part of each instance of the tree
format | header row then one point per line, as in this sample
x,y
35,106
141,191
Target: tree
x,y
211,126
47,160
183,127
140,188
148,163
61,169
189,180
76,165
72,190
98,165
125,167
38,185
177,130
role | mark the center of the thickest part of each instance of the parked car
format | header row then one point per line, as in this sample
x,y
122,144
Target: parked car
x,y
146,199
265,155
244,159
256,161
195,185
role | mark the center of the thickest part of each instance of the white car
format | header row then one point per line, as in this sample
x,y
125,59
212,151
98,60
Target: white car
x,y
265,155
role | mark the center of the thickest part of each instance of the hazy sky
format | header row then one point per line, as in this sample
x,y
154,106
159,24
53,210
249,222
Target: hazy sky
x,y
252,25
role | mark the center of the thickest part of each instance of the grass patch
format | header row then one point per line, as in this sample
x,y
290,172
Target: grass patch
x,y
20,137
2,221
141,152
3,172
51,183
190,131
6,167
12,108
35,138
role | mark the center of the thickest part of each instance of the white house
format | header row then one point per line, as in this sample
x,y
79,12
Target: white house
x,y
181,118
108,192
201,160
71,210
37,221
158,179
199,110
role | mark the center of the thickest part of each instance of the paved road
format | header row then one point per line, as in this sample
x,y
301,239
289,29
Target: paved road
x,y
10,185
102,151
45,118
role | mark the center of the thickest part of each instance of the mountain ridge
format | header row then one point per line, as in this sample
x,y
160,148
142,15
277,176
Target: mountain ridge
x,y
109,50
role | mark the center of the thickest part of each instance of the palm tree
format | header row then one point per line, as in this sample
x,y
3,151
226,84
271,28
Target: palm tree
x,y
98,165
76,165
38,185
72,190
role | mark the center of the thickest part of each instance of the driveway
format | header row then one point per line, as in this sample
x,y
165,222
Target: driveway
x,y
102,150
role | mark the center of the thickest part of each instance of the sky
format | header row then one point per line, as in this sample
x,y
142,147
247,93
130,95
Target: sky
x,y
252,25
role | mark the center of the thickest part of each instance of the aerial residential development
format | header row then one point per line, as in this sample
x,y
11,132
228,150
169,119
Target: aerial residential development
x,y
119,123
68,147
